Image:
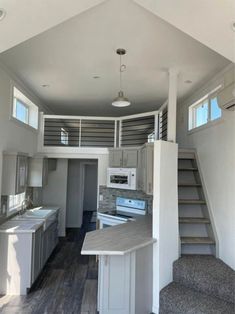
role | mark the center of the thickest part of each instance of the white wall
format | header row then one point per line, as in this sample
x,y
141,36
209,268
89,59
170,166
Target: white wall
x,y
215,146
14,136
55,192
165,216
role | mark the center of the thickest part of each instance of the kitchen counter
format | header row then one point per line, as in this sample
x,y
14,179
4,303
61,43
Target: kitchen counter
x,y
29,226
120,239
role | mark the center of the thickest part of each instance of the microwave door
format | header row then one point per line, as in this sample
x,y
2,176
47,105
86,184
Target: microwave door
x,y
120,179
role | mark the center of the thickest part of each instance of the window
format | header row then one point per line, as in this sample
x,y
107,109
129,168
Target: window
x,y
15,201
151,137
24,110
21,111
64,137
204,110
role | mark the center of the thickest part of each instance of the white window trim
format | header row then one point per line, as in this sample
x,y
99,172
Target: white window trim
x,y
191,115
12,118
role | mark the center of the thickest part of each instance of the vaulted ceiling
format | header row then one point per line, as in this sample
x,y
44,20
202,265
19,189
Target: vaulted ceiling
x,y
76,41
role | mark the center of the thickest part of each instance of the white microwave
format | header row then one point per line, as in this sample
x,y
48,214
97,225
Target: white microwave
x,y
121,178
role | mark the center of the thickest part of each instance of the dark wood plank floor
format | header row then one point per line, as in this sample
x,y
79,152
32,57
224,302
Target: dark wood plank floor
x,y
68,283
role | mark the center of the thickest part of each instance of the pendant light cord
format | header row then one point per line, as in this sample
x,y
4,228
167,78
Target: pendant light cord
x,y
122,69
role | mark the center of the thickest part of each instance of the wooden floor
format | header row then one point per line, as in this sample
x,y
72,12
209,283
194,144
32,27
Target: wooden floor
x,y
67,285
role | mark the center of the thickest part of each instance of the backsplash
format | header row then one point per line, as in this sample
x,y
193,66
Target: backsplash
x,y
110,195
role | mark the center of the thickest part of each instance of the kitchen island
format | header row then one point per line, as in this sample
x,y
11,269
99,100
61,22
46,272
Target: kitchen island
x,y
125,266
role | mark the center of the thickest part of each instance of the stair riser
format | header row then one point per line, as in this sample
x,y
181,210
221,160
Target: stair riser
x,y
203,249
190,211
193,230
188,193
186,176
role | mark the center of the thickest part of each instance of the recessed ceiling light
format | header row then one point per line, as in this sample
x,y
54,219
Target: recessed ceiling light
x,y
2,14
188,82
96,77
233,26
45,85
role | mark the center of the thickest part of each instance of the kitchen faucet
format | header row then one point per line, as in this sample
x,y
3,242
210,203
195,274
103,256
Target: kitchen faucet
x,y
26,204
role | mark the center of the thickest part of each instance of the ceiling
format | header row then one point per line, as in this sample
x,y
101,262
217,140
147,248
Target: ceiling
x,y
26,19
195,16
69,55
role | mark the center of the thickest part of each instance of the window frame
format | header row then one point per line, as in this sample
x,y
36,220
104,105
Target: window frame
x,y
12,116
192,115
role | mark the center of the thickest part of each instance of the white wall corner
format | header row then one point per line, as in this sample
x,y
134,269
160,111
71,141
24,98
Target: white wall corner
x,y
165,216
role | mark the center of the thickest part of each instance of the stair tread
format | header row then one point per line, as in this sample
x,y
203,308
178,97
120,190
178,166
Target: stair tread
x,y
194,220
187,169
190,201
176,298
188,184
206,274
196,240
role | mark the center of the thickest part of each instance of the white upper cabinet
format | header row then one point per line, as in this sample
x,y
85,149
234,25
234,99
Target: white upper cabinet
x,y
145,171
14,173
123,157
38,171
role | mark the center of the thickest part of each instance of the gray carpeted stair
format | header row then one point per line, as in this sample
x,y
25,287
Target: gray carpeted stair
x,y
178,299
202,285
206,274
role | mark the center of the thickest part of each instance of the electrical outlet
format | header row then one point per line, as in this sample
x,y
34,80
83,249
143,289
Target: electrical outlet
x,y
101,197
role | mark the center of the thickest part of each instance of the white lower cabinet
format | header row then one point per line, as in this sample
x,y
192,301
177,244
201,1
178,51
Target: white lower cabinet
x,y
20,261
125,283
22,257
50,240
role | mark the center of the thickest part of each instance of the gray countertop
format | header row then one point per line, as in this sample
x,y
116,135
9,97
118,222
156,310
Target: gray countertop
x,y
29,226
120,239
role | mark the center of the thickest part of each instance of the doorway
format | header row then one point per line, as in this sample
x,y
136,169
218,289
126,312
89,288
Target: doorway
x,y
82,189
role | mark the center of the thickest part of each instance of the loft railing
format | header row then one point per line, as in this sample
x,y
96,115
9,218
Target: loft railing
x,y
102,132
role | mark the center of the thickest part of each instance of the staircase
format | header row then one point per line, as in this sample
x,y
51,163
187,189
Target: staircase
x,y
196,233
202,284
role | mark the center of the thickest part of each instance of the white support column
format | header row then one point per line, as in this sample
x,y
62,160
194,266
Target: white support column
x,y
172,105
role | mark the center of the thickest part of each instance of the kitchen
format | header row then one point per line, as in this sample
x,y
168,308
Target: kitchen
x,y
121,200
111,115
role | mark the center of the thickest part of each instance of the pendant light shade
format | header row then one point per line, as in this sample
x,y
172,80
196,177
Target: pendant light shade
x,y
121,100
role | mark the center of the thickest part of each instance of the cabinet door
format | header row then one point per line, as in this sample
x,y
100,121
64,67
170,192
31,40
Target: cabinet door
x,y
130,158
45,172
115,284
36,254
143,173
149,170
21,174
115,158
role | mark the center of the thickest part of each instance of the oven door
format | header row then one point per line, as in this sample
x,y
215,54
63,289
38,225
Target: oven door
x,y
109,221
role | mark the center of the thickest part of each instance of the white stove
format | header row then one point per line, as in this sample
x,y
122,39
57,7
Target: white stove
x,y
126,210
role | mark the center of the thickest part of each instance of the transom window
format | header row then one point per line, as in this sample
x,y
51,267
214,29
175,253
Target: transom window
x,y
204,110
21,111
24,110
64,136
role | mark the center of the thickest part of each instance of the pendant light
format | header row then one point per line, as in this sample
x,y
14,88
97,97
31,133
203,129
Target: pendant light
x,y
121,100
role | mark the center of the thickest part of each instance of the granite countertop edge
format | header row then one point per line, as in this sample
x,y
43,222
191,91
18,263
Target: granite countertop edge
x,y
134,235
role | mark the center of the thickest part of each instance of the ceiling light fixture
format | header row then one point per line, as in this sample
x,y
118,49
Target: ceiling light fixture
x,y
121,100
45,85
2,14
